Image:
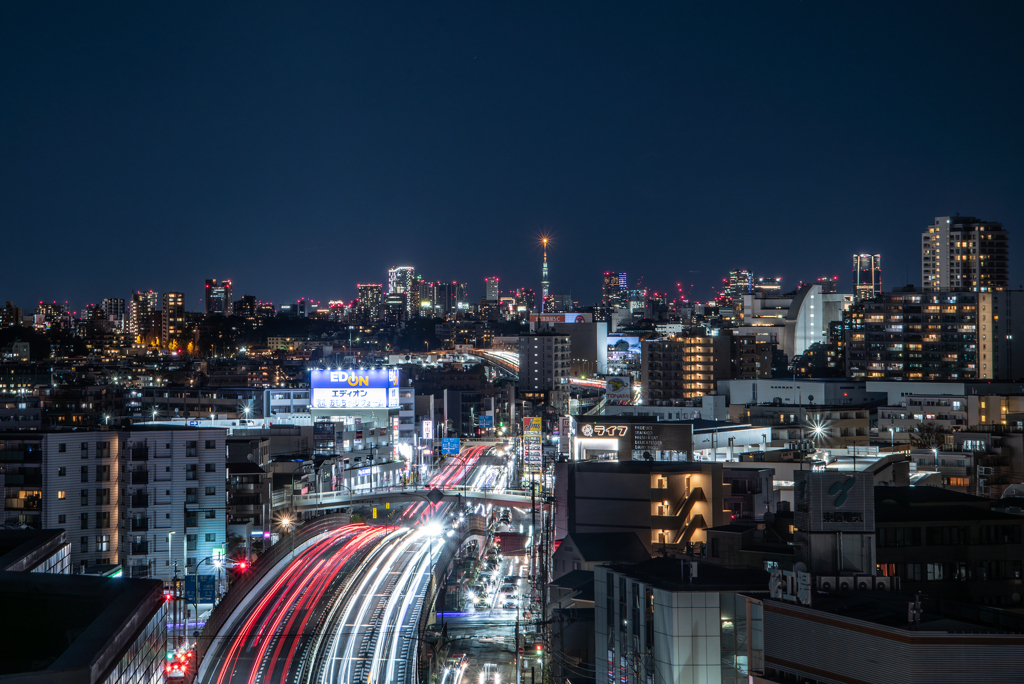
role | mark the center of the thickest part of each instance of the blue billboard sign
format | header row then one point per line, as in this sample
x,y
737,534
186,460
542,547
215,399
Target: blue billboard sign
x,y
485,421
353,388
450,446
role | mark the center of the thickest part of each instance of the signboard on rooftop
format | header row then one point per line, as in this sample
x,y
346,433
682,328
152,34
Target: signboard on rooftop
x,y
354,388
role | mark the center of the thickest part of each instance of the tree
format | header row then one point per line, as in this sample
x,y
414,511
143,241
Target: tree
x,y
928,436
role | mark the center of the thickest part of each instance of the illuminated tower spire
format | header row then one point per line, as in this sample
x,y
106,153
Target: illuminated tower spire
x,y
544,276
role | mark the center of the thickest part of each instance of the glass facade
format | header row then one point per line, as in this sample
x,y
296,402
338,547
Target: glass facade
x,y
143,661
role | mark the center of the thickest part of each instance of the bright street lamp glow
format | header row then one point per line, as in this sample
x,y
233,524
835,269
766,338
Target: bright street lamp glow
x,y
433,529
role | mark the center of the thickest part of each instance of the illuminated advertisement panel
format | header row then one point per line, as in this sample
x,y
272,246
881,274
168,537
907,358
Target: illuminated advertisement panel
x,y
342,389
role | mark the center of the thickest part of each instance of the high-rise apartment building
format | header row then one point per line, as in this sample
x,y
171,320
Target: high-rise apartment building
x,y
10,316
867,276
245,307
144,306
368,301
913,335
964,254
491,288
113,311
219,298
173,317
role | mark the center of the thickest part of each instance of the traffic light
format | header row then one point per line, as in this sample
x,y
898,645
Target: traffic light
x,y
540,649
242,566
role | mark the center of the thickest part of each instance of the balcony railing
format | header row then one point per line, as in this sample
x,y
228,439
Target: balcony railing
x,y
140,501
140,548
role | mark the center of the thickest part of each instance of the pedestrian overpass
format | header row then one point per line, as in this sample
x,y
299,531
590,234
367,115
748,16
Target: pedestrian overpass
x,y
342,499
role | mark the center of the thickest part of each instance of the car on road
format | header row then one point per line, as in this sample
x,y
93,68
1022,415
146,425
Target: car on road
x,y
511,579
508,588
510,604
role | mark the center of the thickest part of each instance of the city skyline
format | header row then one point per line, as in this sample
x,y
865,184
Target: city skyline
x,y
731,150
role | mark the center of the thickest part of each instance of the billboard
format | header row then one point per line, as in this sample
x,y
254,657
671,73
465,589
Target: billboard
x,y
623,346
619,389
428,430
532,438
343,389
834,501
562,318
635,437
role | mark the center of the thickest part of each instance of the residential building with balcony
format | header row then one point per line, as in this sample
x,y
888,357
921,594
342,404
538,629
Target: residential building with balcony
x,y
691,366
911,335
668,505
964,254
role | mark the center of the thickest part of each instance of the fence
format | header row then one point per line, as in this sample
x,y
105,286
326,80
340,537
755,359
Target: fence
x,y
257,571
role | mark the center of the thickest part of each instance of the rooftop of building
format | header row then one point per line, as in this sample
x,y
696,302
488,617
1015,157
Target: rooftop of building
x,y
891,609
933,504
244,468
669,574
64,622
607,546
15,545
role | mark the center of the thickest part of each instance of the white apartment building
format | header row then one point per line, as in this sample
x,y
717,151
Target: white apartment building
x,y
151,500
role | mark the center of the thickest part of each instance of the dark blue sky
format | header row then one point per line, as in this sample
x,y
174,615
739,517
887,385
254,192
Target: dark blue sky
x,y
301,148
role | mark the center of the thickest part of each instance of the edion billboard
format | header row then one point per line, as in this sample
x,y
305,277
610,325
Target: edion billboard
x,y
345,389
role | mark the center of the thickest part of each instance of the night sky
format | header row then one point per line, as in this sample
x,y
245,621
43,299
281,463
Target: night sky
x,y
300,148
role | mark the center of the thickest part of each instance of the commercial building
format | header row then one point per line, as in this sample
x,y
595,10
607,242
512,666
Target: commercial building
x,y
949,544
30,550
825,426
964,254
938,336
800,391
867,276
878,637
219,297
88,630
491,291
794,321
666,620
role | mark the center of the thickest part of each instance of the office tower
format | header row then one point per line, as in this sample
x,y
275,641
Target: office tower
x,y
964,254
218,297
400,279
545,285
460,292
369,301
609,288
173,317
623,282
491,287
867,276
